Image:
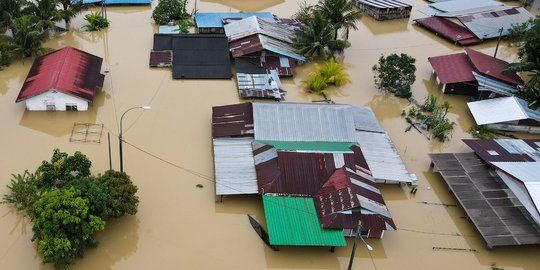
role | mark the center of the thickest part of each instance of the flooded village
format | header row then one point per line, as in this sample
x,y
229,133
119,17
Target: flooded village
x,y
219,126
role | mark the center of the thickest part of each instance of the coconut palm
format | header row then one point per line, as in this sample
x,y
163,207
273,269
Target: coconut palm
x,y
316,39
28,36
49,11
341,14
10,9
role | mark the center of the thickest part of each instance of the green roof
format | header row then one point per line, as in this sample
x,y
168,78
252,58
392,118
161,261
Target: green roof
x,y
293,222
311,146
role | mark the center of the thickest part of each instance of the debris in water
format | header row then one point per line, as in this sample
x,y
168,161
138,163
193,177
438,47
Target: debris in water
x,y
199,185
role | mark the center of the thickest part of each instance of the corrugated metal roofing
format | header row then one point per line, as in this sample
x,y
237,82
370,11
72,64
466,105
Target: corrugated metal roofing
x,y
232,120
385,3
342,147
162,42
67,70
169,29
527,172
234,166
459,5
260,85
507,150
254,25
448,30
471,11
210,19
486,83
257,43
487,24
382,157
500,110
365,119
262,64
452,68
293,222
491,66
303,122
161,58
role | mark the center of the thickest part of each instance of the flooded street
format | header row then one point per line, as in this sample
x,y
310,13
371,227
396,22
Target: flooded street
x,y
169,152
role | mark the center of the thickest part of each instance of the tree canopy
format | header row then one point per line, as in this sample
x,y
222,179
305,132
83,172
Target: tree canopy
x,y
170,10
395,73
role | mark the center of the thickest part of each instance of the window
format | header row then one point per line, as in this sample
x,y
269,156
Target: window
x,y
71,107
51,107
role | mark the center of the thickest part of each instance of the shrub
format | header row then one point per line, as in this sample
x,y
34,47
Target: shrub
x,y
170,10
96,21
395,73
23,191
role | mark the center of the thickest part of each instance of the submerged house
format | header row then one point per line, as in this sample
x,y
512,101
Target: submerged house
x,y
192,56
260,85
213,22
498,188
385,9
469,22
506,114
263,44
291,150
474,74
63,80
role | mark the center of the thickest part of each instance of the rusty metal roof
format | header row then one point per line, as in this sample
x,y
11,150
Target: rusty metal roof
x,y
161,58
452,68
258,42
506,150
232,120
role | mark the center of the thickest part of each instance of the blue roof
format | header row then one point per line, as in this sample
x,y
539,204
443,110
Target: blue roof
x,y
117,2
211,19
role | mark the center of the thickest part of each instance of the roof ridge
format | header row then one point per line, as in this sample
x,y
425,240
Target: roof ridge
x,y
60,70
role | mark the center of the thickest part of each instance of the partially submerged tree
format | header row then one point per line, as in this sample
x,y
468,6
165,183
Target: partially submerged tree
x,y
395,73
9,10
63,169
28,36
170,10
341,14
529,55
305,12
122,192
330,73
96,21
317,41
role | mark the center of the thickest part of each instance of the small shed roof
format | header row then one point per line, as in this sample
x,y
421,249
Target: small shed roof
x,y
257,43
452,68
385,3
500,110
486,83
293,221
215,19
303,122
255,25
487,24
232,120
449,30
234,166
161,58
67,70
491,66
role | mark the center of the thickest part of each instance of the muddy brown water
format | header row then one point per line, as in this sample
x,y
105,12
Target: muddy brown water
x,y
180,226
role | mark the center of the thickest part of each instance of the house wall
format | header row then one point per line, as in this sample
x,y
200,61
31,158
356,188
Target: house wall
x,y
465,88
521,193
56,98
513,126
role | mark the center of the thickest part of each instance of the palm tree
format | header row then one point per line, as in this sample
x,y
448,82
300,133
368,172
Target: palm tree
x,y
9,9
316,39
48,11
330,73
341,14
28,36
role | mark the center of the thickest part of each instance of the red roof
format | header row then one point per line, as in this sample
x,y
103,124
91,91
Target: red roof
x,y
452,68
449,30
67,70
232,120
492,67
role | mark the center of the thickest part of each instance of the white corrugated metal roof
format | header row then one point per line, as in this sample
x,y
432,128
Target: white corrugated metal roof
x,y
382,157
488,84
497,110
472,11
234,166
534,192
255,25
458,5
365,119
385,3
524,171
258,81
303,122
486,25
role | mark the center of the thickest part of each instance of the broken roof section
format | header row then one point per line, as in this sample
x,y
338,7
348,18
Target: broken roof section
x,y
500,110
68,70
487,24
260,85
256,43
255,25
215,19
292,221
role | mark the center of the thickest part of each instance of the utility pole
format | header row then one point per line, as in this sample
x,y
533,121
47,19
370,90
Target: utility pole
x,y
498,41
358,229
110,160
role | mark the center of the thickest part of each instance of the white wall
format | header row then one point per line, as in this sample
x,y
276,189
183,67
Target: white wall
x,y
521,193
59,99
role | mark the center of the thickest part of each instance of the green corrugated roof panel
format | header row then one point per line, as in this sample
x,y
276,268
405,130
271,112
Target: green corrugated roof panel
x,y
293,222
311,146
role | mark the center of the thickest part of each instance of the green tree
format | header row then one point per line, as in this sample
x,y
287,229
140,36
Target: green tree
x,y
170,10
395,73
9,10
341,14
122,192
23,191
330,73
28,36
46,11
316,40
305,12
5,53
63,169
529,55
63,226
96,21
97,194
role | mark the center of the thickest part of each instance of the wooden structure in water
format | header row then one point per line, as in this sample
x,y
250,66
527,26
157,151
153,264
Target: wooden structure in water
x,y
385,9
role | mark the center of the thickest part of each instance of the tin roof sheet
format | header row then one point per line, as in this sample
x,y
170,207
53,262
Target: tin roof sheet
x,y
161,58
260,85
470,11
255,25
448,30
526,172
293,222
214,19
486,83
67,70
341,147
500,110
234,166
232,120
365,119
452,68
459,5
492,67
303,122
507,150
385,3
257,43
487,24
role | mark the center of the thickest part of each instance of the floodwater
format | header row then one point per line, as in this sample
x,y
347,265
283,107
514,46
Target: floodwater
x,y
180,226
